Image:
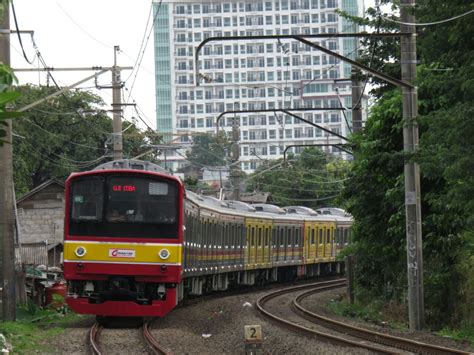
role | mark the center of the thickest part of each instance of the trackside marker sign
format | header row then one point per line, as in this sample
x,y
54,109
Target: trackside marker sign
x,y
121,253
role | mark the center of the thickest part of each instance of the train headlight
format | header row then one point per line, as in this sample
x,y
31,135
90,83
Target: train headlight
x,y
81,251
164,254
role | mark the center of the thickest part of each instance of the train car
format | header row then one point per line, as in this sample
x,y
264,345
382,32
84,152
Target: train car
x,y
123,240
136,243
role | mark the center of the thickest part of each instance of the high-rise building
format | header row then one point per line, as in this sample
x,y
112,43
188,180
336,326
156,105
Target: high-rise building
x,y
254,74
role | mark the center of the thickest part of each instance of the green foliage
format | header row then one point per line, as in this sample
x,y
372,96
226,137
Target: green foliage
x,y
194,185
368,313
65,134
308,180
33,329
209,150
375,189
465,332
7,78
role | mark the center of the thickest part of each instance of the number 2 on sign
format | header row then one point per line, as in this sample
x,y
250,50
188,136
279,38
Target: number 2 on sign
x,y
253,333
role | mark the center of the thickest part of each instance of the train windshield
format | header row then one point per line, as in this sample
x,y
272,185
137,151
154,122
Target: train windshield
x,y
124,206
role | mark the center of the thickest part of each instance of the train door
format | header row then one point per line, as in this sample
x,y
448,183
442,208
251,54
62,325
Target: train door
x,y
312,248
327,242
259,244
267,249
241,241
321,231
247,244
297,243
306,240
251,246
286,243
274,245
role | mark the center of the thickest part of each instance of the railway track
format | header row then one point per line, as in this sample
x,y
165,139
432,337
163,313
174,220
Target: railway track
x,y
152,344
402,344
94,334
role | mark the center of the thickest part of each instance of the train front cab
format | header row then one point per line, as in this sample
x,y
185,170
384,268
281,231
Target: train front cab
x,y
130,266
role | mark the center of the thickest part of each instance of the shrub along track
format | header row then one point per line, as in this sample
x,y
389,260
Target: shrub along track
x,y
357,332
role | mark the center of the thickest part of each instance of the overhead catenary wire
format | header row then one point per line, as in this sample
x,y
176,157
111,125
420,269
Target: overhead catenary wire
x,y
304,199
385,17
34,151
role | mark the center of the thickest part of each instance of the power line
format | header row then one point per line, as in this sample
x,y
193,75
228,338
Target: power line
x,y
82,29
19,35
427,23
144,48
143,41
304,199
60,137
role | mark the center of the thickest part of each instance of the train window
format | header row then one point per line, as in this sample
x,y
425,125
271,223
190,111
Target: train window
x,y
297,236
87,199
312,236
259,236
320,236
281,236
267,236
119,202
157,188
328,231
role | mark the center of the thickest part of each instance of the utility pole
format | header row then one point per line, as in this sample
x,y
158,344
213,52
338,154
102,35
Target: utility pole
x,y
6,193
117,108
412,170
356,100
235,172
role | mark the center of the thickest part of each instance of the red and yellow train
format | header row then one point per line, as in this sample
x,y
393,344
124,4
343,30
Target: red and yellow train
x,y
135,242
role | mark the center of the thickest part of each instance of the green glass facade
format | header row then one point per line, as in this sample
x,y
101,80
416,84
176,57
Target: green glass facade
x,y
349,44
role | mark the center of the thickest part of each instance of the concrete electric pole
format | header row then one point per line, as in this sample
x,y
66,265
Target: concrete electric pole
x,y
117,108
412,170
7,220
356,100
235,172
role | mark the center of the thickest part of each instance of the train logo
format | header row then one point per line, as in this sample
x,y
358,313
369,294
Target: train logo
x,y
122,253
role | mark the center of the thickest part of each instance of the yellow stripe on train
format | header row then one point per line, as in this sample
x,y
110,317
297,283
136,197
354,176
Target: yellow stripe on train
x,y
123,252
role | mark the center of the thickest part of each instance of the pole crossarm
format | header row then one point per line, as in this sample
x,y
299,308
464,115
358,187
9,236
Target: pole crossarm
x,y
288,113
339,146
48,69
302,39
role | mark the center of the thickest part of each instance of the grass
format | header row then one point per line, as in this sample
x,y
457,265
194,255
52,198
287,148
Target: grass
x,y
373,312
34,329
465,332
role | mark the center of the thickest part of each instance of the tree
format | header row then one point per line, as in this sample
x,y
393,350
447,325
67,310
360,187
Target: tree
x,y
375,187
209,150
68,133
7,96
308,179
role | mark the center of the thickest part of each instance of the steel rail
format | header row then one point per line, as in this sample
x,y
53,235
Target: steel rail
x,y
93,336
153,345
321,286
376,337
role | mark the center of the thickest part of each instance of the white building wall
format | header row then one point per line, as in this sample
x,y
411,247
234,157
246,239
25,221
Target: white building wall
x,y
256,74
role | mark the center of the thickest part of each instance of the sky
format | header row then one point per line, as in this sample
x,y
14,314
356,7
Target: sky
x,y
83,34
